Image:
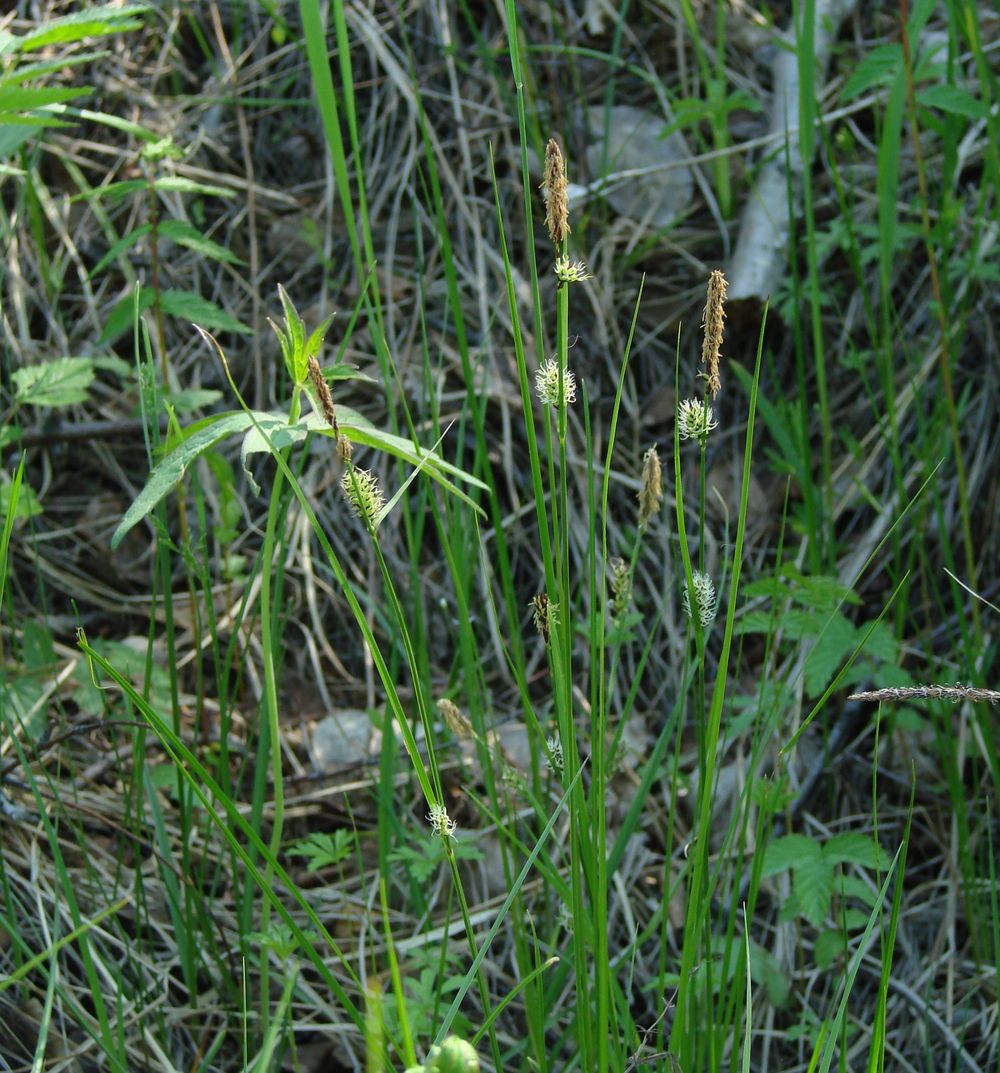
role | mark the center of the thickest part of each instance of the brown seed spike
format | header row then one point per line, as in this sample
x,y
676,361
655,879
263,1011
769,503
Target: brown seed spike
x,y
714,315
556,200
323,391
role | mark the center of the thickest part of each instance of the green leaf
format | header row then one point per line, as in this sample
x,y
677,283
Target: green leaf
x,y
177,184
184,402
200,311
184,304
852,847
812,881
118,248
91,22
16,99
61,382
878,68
831,647
323,849
166,475
184,234
828,947
766,969
953,100
791,851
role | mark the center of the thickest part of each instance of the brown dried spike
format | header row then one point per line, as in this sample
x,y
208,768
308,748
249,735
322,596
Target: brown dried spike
x,y
556,200
323,391
714,315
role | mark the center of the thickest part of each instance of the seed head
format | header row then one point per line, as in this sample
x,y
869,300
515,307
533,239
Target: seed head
x,y
554,759
704,598
695,420
547,384
651,492
554,187
544,614
323,391
621,587
363,493
456,722
712,344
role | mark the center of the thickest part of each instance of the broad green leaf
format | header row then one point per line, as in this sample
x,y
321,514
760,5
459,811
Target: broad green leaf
x,y
56,383
90,22
184,234
812,881
791,851
852,847
954,100
168,473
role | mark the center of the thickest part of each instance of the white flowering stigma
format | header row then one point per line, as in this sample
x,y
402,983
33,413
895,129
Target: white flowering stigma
x,y
571,271
547,385
704,598
695,419
441,823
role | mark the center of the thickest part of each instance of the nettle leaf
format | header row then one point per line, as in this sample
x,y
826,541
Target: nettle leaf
x,y
812,881
791,851
61,382
852,847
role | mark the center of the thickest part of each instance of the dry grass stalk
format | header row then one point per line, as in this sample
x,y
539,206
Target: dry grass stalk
x,y
556,200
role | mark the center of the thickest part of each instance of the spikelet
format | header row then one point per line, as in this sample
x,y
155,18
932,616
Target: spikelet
x,y
556,199
651,491
712,344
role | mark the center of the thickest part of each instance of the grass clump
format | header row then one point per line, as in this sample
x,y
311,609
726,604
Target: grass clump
x,y
463,675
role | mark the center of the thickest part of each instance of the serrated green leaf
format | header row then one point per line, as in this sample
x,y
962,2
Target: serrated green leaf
x,y
791,851
766,969
167,473
878,68
202,312
828,947
852,847
184,234
60,382
14,99
812,881
192,399
123,244
953,100
836,642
